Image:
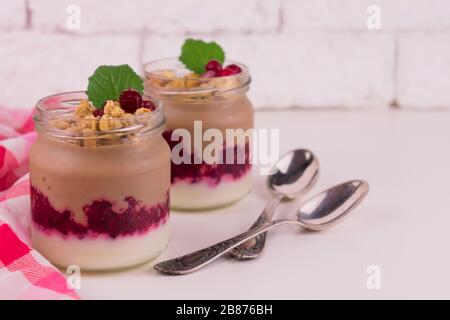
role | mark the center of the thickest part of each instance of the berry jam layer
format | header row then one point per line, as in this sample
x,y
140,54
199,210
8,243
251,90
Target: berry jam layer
x,y
211,173
102,219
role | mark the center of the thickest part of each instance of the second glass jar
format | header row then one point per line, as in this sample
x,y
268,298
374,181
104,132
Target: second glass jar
x,y
195,104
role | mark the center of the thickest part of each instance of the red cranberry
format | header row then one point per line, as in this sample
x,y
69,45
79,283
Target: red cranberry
x,y
209,74
130,100
234,68
98,112
148,104
225,72
213,65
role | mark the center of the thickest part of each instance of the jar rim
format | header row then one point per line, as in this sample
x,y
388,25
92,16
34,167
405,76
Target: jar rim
x,y
61,105
153,69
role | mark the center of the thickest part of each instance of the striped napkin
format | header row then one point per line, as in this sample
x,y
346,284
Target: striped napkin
x,y
24,273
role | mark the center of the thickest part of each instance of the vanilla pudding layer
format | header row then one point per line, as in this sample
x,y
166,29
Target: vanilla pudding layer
x,y
205,195
101,252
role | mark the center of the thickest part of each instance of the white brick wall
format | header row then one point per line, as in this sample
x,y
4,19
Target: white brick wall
x,y
34,65
12,14
168,17
349,15
302,53
424,70
316,71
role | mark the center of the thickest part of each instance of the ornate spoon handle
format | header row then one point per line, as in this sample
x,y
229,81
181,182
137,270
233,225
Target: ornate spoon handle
x,y
198,259
252,248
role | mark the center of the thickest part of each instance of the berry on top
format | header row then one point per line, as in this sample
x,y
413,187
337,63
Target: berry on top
x,y
130,100
213,65
234,68
148,104
214,69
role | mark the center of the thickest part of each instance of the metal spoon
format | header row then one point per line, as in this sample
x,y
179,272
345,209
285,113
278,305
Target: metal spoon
x,y
295,173
318,213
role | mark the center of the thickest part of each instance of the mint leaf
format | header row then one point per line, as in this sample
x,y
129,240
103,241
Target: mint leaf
x,y
195,54
108,82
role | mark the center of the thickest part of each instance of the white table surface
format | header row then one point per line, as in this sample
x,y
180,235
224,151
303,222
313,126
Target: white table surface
x,y
402,226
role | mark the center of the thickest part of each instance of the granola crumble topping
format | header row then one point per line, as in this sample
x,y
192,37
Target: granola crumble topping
x,y
168,79
85,121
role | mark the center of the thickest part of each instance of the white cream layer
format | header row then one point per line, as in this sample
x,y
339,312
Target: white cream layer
x,y
102,252
203,195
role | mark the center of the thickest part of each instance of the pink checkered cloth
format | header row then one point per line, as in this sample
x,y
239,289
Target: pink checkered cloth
x,y
24,273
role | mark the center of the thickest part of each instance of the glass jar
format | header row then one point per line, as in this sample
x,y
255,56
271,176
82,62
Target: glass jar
x,y
196,104
98,200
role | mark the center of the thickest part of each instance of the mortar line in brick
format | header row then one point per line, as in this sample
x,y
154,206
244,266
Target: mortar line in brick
x,y
28,16
141,48
219,32
394,103
281,21
59,30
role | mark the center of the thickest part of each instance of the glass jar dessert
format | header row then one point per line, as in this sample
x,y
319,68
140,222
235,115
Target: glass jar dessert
x,y
197,103
99,183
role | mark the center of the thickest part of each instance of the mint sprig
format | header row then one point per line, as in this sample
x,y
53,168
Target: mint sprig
x,y
195,54
108,82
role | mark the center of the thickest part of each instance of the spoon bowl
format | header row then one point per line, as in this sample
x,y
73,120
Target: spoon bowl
x,y
295,173
332,205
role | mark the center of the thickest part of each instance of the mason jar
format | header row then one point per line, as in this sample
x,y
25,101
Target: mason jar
x,y
202,108
98,200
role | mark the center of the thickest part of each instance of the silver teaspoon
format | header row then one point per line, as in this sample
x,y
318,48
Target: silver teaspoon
x,y
318,213
295,173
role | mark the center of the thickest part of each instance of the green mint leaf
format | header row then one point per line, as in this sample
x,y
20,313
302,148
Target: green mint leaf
x,y
195,54
108,82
